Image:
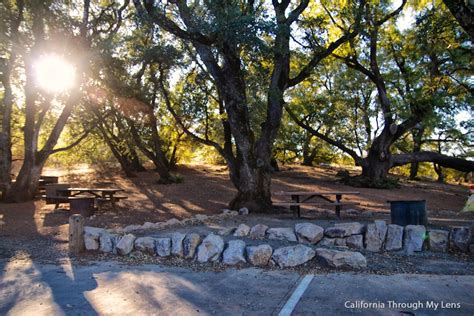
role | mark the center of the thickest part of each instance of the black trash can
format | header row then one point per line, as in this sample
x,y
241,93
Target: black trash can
x,y
408,212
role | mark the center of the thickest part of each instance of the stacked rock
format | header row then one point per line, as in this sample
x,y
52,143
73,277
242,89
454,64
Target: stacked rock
x,y
373,237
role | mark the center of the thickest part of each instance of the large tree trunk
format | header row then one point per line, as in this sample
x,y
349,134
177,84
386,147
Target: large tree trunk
x,y
378,161
375,168
250,168
26,185
125,162
27,181
155,153
308,153
253,191
414,166
135,162
7,103
5,135
164,172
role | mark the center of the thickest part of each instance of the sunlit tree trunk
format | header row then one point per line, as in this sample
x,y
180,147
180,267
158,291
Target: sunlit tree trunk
x,y
27,181
7,103
5,134
439,171
154,151
125,154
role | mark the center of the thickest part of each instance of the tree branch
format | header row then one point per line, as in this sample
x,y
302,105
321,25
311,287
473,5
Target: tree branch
x,y
358,160
161,19
305,72
73,144
428,156
178,119
463,12
293,16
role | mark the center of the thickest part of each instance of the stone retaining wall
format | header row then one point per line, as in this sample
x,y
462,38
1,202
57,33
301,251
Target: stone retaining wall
x,y
307,241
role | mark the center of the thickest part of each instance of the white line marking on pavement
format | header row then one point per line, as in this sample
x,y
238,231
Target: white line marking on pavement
x,y
296,296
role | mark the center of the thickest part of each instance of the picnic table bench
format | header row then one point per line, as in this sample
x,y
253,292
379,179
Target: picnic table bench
x,y
301,198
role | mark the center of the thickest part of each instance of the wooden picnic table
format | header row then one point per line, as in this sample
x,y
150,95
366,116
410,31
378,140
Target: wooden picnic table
x,y
301,198
101,195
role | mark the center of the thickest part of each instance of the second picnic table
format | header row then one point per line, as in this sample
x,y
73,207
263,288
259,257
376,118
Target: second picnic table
x,y
301,198
100,194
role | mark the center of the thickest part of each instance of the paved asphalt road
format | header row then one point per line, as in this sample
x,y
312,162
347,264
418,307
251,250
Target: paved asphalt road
x,y
115,289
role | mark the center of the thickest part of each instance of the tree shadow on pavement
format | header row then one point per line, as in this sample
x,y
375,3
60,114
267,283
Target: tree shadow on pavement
x,y
24,246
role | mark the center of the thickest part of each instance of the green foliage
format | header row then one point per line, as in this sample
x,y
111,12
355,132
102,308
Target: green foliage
x,y
337,101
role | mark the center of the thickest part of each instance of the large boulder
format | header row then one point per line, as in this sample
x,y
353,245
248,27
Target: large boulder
x,y
281,233
292,256
177,244
460,238
351,228
341,230
145,244
375,236
163,247
258,231
340,242
226,231
335,232
172,222
210,248
414,238
115,240
242,230
150,225
327,242
309,233
394,239
106,242
259,255
229,213
92,236
190,244
341,259
201,217
355,242
234,253
131,228
438,240
244,211
125,245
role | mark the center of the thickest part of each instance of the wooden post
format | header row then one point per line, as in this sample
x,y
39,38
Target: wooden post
x,y
76,234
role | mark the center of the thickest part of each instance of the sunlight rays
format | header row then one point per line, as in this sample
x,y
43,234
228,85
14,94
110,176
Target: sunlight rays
x,y
54,74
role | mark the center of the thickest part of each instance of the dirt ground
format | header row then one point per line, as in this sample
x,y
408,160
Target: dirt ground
x,y
34,229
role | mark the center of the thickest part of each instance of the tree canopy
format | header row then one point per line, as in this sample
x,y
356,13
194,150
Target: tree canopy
x,y
378,84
